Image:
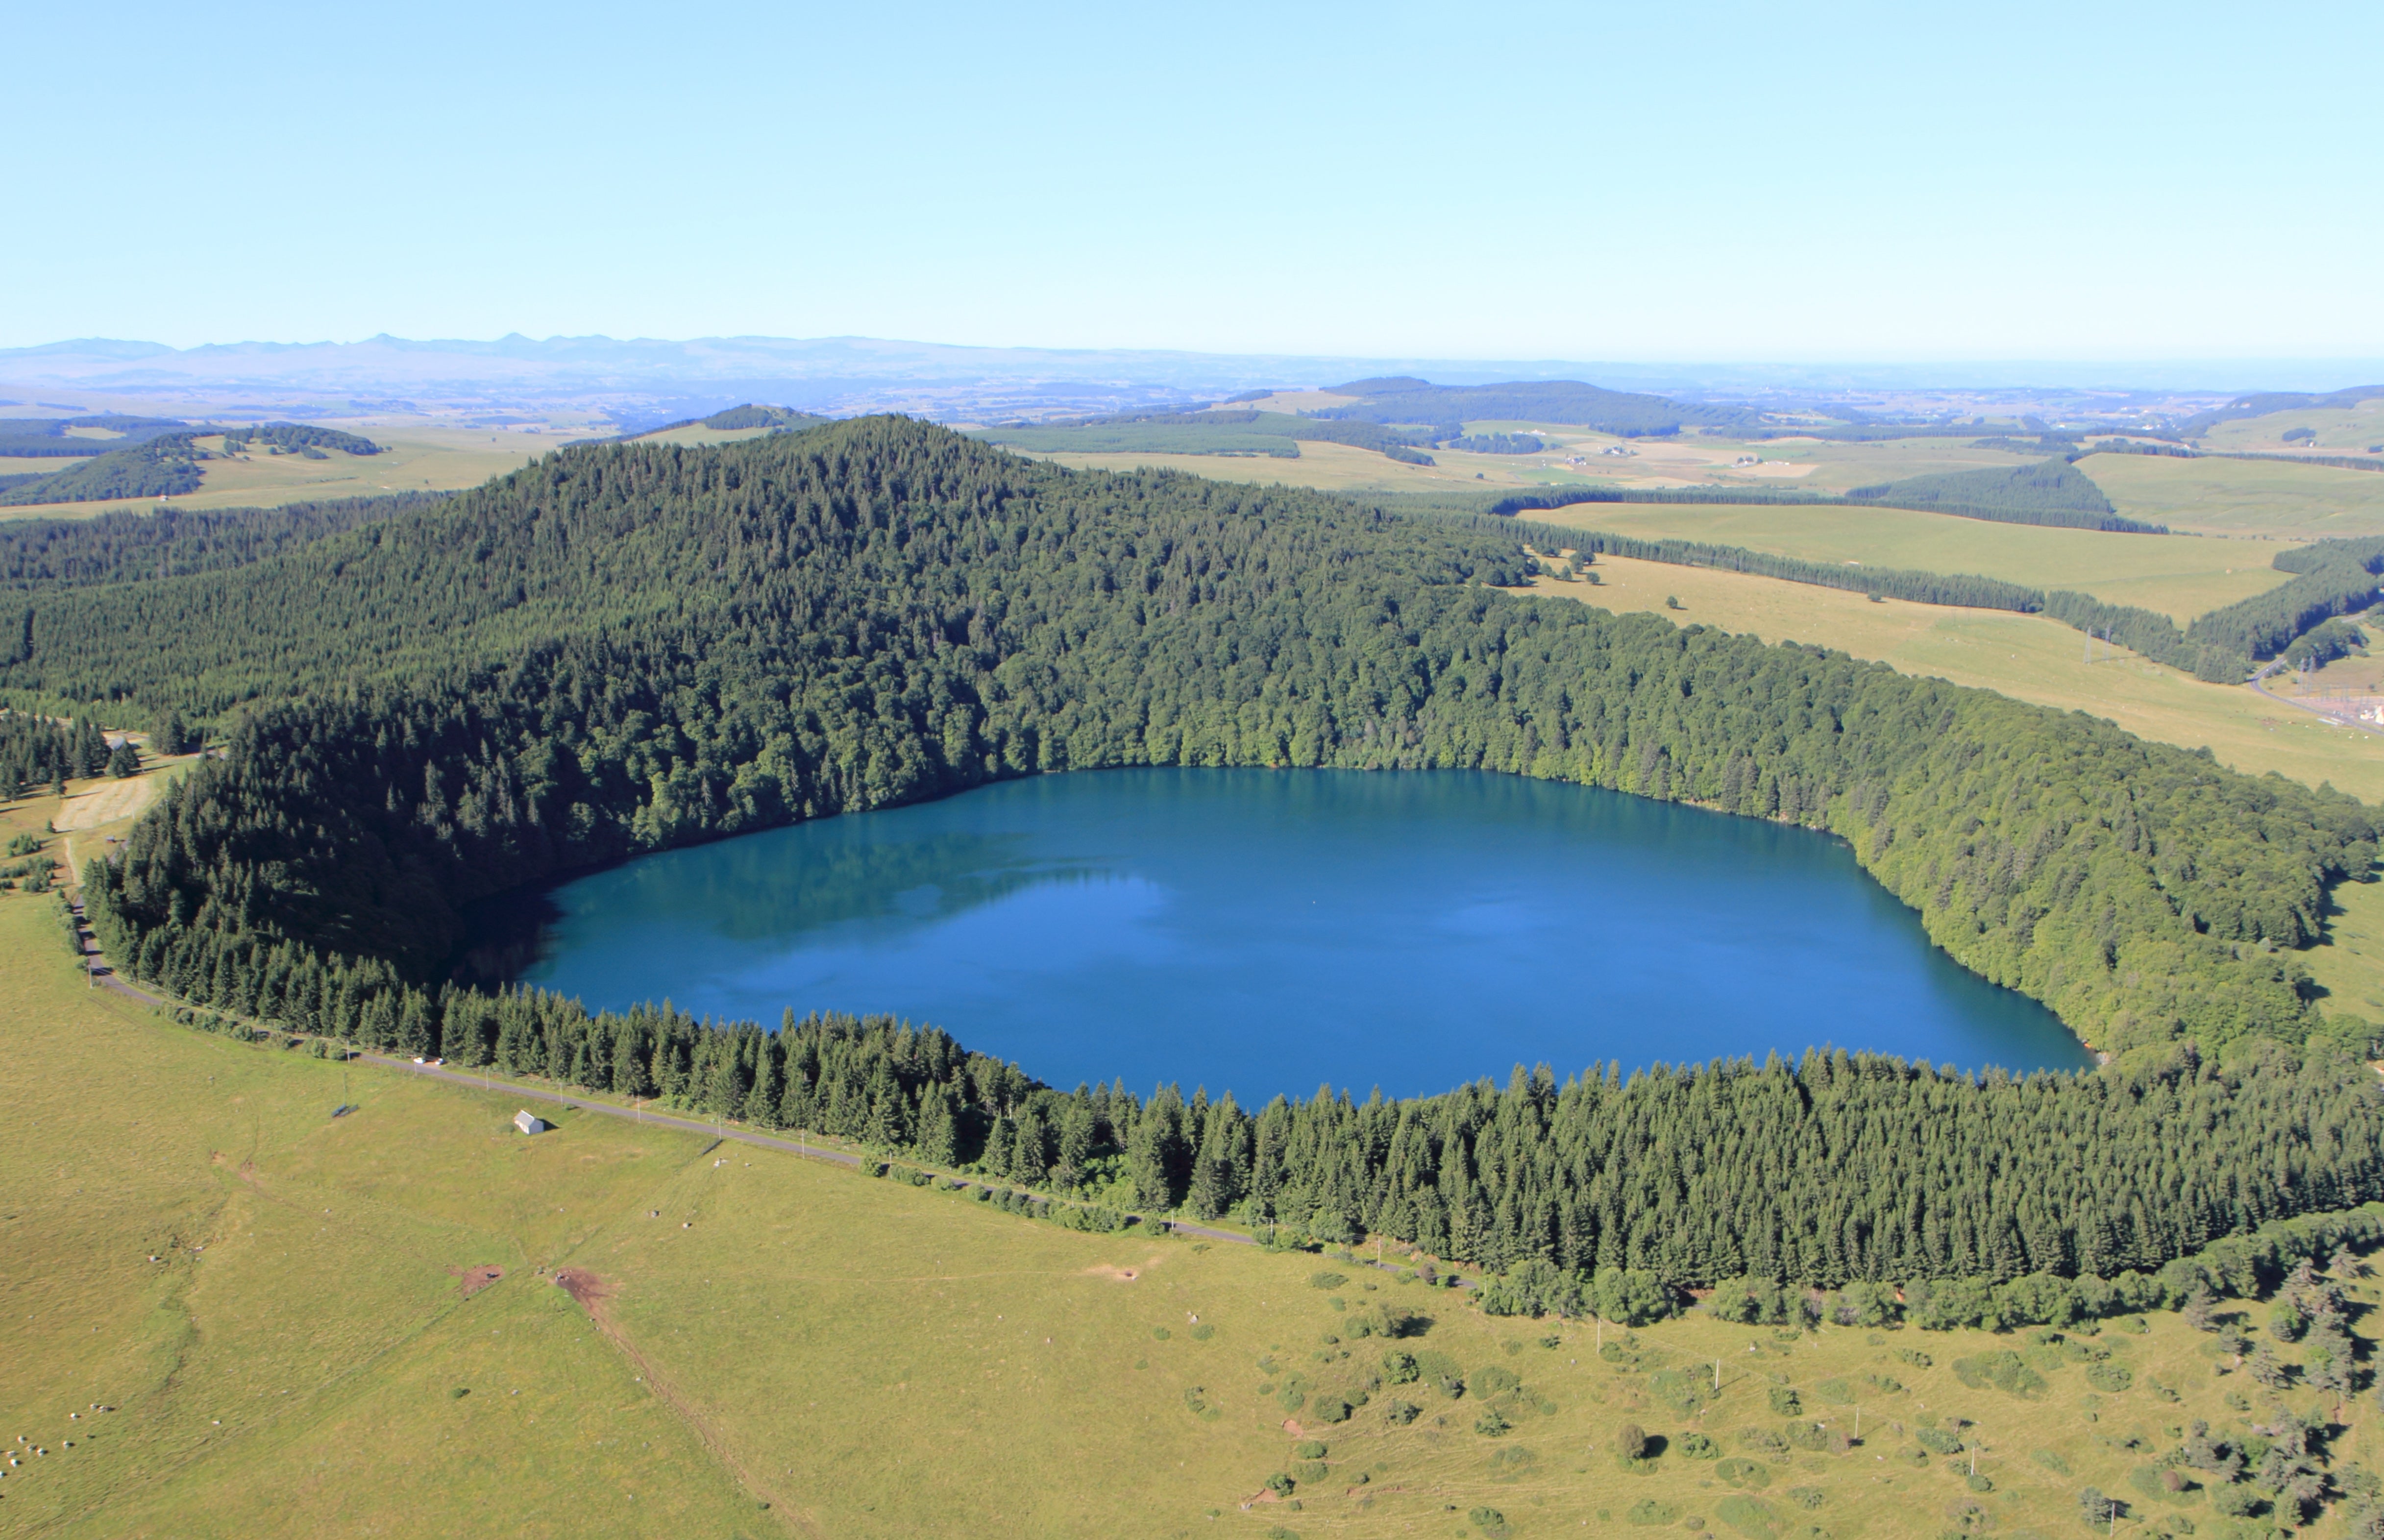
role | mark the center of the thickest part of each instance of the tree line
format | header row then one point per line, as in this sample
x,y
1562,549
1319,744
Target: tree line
x,y
2332,577
298,438
1826,1169
37,753
2053,493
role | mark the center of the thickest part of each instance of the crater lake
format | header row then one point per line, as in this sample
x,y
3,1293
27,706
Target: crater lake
x,y
1271,931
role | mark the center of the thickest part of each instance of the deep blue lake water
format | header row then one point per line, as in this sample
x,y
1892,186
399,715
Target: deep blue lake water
x,y
1269,931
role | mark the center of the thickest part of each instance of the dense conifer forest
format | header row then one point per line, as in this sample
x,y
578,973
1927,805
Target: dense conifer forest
x,y
624,649
120,547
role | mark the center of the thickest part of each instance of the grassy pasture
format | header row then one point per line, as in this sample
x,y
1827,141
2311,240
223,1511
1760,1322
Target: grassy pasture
x,y
2178,575
701,437
2350,962
2026,657
2261,499
2340,430
413,458
1326,466
872,1359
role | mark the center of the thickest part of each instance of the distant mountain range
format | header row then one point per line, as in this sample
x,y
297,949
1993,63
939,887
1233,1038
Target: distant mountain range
x,y
645,382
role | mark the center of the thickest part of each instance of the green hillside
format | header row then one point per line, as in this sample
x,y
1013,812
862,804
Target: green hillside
x,y
2055,493
1627,414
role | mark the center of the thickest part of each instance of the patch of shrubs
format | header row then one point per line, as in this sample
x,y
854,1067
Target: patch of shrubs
x,y
1937,1441
1766,1443
2109,1378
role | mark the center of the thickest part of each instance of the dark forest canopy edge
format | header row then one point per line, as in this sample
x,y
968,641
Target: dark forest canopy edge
x,y
625,649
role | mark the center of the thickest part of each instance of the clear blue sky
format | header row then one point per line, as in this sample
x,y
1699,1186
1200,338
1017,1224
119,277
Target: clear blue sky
x,y
1717,182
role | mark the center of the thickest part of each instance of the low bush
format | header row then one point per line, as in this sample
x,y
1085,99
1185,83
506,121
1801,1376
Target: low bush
x,y
1766,1443
1696,1446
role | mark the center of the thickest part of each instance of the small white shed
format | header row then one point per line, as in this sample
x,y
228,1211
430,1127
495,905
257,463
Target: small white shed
x,y
529,1123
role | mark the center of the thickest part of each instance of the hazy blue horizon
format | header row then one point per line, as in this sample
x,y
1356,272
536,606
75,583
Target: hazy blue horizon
x,y
1522,181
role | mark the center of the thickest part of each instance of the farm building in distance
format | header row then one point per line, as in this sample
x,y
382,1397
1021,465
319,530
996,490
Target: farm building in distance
x,y
529,1123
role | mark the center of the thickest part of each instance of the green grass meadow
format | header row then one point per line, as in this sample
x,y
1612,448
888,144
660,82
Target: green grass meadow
x,y
2255,499
2178,575
874,1359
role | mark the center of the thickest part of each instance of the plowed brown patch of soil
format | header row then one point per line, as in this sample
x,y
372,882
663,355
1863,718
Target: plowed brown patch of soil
x,y
470,1281
586,1288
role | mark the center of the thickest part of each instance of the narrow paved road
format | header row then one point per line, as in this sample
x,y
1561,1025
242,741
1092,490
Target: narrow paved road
x,y
2261,689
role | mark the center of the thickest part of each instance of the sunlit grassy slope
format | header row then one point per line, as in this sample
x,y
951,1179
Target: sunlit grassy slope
x,y
2178,575
415,458
2027,657
870,1360
2257,498
2339,430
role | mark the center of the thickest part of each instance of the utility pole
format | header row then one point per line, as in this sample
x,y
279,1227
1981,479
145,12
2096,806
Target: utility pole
x,y
1716,1376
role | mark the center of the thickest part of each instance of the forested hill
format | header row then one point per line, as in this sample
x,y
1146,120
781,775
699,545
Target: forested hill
x,y
1624,412
626,648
